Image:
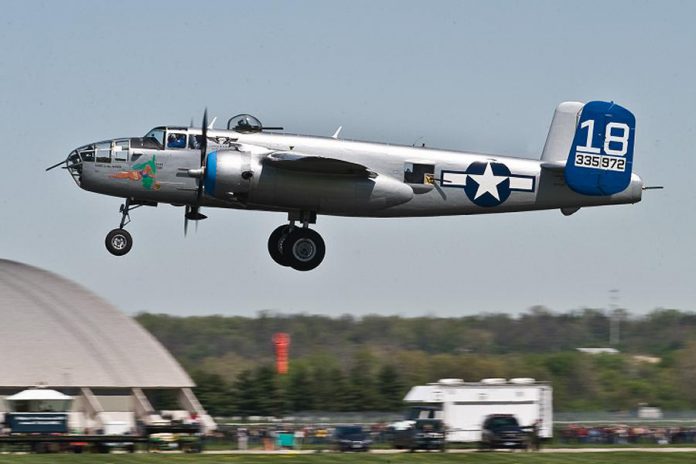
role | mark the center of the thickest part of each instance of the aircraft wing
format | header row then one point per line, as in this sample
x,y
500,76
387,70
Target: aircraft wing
x,y
316,164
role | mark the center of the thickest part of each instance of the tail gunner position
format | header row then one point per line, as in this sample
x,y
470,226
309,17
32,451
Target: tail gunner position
x,y
587,161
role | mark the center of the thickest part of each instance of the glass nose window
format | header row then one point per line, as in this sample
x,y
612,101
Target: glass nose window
x,y
120,150
86,153
103,152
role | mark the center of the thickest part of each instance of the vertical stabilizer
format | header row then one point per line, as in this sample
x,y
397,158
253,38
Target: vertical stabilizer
x,y
600,159
561,132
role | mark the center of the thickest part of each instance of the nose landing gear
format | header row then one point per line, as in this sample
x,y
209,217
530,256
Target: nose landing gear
x,y
301,248
119,241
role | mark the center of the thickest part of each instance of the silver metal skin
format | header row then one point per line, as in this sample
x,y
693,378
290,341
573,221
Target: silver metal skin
x,y
385,195
309,175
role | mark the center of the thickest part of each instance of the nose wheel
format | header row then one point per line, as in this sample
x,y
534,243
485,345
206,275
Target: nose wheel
x,y
300,248
119,241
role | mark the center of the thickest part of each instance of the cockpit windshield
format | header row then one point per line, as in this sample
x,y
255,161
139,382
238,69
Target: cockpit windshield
x,y
156,134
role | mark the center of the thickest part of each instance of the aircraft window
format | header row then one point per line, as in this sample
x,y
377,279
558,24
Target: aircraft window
x,y
86,153
156,135
195,141
103,152
415,173
244,123
176,140
149,143
120,150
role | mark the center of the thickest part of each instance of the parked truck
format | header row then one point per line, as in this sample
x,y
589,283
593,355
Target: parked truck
x,y
37,419
464,406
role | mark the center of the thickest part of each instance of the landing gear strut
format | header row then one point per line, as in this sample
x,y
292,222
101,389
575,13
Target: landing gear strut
x,y
119,241
300,247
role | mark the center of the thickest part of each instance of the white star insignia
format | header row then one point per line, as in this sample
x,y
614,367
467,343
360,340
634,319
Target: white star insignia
x,y
488,182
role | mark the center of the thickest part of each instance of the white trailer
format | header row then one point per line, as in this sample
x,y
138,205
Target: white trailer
x,y
463,406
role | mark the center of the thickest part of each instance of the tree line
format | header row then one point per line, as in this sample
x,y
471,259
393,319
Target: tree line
x,y
369,363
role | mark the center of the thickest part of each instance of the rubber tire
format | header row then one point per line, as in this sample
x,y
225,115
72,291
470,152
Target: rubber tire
x,y
275,245
118,242
290,250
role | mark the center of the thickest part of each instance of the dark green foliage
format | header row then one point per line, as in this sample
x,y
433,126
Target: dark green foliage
x,y
162,399
213,392
245,394
300,394
391,388
369,363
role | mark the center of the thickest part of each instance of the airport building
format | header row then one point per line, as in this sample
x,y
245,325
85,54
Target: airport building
x,y
55,334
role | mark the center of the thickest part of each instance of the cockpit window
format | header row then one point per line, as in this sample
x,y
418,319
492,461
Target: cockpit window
x,y
156,135
176,140
195,142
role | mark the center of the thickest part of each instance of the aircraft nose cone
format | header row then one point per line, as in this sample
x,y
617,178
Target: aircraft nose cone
x,y
74,165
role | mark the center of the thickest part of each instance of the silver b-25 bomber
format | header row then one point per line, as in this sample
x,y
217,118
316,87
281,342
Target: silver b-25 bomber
x,y
586,161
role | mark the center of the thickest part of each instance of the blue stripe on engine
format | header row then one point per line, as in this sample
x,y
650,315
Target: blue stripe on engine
x,y
210,173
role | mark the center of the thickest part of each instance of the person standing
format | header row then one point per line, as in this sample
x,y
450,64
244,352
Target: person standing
x,y
536,438
242,439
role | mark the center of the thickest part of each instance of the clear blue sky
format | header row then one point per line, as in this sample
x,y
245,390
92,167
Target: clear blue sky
x,y
482,76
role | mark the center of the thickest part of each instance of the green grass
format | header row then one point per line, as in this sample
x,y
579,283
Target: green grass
x,y
621,457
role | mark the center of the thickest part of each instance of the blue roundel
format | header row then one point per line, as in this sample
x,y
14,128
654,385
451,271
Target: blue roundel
x,y
487,183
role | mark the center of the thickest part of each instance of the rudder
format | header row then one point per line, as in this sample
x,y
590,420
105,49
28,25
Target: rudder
x,y
601,156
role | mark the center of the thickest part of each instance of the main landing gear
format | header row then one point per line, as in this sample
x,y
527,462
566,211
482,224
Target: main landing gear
x,y
295,246
298,247
119,241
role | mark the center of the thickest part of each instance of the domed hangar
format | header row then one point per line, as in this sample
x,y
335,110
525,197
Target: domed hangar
x,y
56,334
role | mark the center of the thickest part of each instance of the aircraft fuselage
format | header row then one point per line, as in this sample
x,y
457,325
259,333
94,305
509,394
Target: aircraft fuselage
x,y
443,182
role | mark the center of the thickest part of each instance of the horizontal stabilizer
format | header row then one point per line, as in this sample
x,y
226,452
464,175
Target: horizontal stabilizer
x,y
553,165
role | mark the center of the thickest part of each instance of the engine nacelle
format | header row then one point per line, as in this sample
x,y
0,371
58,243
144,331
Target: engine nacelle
x,y
227,172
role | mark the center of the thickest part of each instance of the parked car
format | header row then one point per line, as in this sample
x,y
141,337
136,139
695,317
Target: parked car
x,y
426,434
351,438
502,431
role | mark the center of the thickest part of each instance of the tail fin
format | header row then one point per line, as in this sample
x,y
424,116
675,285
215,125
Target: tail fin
x,y
601,155
561,134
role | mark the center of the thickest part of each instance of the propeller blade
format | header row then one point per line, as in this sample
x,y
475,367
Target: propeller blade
x,y
56,165
204,141
192,211
204,148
